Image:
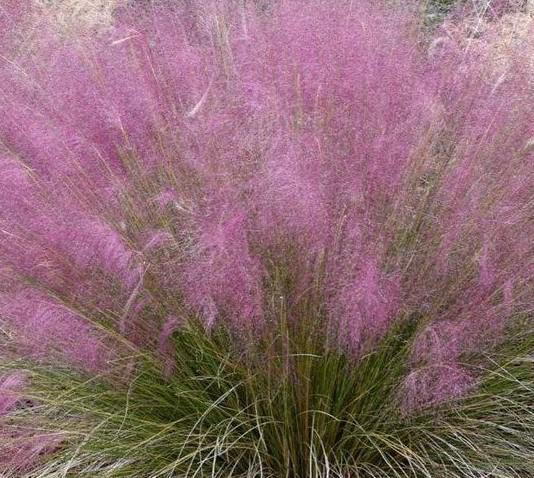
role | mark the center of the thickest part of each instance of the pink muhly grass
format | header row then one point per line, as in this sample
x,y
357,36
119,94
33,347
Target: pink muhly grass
x,y
165,168
306,144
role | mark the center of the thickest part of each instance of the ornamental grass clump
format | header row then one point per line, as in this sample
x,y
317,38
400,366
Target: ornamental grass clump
x,y
252,239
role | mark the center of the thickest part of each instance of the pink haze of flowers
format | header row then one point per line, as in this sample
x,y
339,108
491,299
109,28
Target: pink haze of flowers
x,y
158,170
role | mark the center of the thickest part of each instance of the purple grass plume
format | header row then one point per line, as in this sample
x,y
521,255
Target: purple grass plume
x,y
157,171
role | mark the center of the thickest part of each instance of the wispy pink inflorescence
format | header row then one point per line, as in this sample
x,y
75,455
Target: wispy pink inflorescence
x,y
289,200
41,327
161,169
223,279
364,305
25,449
165,349
435,384
10,391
